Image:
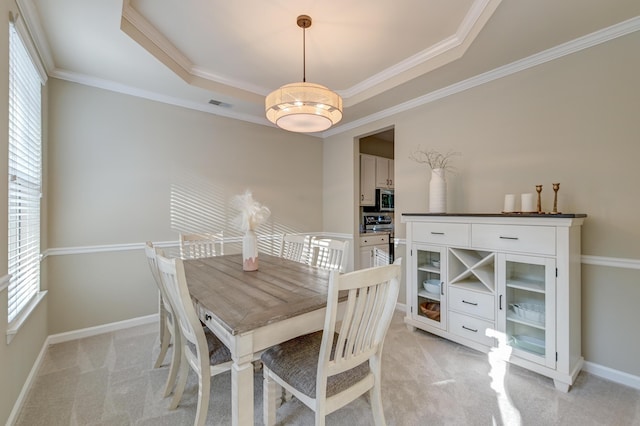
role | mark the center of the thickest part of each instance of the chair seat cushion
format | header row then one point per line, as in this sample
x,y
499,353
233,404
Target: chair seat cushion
x,y
296,362
218,352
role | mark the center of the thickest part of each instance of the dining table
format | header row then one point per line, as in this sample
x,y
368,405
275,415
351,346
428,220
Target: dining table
x,y
250,311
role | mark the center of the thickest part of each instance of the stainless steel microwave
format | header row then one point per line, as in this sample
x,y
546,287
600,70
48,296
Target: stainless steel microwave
x,y
384,200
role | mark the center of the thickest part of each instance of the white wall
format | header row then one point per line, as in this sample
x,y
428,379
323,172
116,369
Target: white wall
x,y
573,120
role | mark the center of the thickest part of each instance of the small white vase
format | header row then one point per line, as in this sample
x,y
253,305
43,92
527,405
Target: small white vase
x,y
438,192
250,251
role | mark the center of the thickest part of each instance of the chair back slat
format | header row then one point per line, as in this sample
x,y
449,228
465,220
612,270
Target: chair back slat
x,y
195,246
152,260
296,247
380,257
372,295
330,254
172,275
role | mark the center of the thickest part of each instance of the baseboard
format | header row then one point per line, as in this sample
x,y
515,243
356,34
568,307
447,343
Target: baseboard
x,y
99,329
612,375
65,337
13,416
607,373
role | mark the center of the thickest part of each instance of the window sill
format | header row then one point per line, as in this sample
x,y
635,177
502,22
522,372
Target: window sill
x,y
14,326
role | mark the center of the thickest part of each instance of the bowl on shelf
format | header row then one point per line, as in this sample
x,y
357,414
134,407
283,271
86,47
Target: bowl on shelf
x,y
435,263
529,311
431,310
431,286
528,343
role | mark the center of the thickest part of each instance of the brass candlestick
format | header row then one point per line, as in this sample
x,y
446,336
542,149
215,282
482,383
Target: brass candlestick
x,y
556,187
539,190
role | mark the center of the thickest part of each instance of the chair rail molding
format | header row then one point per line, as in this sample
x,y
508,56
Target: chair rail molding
x,y
585,259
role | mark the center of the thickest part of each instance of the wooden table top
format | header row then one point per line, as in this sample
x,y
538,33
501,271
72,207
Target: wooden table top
x,y
243,301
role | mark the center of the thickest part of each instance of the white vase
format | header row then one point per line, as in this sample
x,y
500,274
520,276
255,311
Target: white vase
x,y
438,192
250,251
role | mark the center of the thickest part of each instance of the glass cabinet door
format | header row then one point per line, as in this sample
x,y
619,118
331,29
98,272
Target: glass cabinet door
x,y
526,306
429,299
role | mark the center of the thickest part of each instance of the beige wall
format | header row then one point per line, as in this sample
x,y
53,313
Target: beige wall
x,y
574,121
114,160
18,357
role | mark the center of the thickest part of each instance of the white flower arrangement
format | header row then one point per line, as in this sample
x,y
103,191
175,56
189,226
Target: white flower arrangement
x,y
252,213
434,159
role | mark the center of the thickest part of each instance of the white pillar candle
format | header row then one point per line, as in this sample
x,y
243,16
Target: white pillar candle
x,y
509,203
527,203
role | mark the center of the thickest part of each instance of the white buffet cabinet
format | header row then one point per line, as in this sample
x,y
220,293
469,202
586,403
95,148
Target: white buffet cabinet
x,y
500,281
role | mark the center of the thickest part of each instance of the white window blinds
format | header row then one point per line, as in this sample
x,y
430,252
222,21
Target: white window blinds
x,y
25,175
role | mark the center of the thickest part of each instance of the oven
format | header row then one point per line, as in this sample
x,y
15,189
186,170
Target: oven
x,y
379,222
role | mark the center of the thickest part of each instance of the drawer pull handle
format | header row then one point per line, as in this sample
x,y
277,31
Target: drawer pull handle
x,y
508,238
207,317
500,302
437,233
469,303
470,329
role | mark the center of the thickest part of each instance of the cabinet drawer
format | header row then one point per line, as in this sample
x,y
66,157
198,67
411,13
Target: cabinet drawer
x,y
472,303
456,234
529,239
374,239
471,328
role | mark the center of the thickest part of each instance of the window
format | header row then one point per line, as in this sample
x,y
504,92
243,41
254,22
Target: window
x,y
25,175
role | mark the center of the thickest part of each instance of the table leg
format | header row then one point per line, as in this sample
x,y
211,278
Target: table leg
x,y
242,392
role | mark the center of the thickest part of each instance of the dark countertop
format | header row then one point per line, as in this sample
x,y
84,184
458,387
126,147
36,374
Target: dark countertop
x,y
368,233
541,215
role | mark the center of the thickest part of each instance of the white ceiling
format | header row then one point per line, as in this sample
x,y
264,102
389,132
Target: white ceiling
x,y
378,54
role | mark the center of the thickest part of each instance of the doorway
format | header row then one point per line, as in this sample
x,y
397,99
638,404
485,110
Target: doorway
x,y
377,183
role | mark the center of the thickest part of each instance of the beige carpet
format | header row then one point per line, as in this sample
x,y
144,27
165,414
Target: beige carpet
x,y
109,380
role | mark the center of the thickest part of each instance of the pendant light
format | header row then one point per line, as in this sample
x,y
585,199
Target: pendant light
x,y
303,107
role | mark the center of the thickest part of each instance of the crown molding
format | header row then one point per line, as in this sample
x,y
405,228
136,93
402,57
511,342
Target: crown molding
x,y
585,42
455,44
153,36
151,39
153,96
34,26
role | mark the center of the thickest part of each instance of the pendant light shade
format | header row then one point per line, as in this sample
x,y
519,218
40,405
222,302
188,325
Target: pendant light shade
x,y
303,107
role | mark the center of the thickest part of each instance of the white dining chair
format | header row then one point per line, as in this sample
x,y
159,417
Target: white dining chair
x,y
169,332
330,368
380,257
200,348
194,246
296,247
329,254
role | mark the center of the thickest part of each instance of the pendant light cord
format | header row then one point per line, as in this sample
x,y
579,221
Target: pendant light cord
x,y
304,54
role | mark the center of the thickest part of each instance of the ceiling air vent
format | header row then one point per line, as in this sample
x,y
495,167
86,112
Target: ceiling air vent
x,y
219,103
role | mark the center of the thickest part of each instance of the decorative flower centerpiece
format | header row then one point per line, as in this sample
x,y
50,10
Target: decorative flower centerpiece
x,y
252,215
438,163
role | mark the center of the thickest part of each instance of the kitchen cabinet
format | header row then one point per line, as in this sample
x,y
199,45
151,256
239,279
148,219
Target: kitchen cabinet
x,y
384,172
367,180
367,245
510,282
